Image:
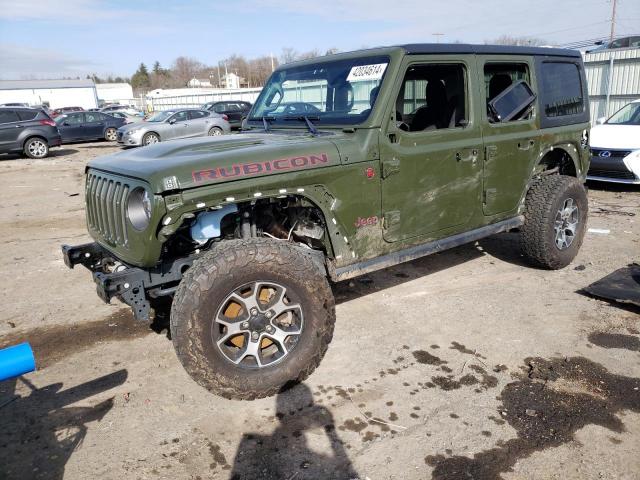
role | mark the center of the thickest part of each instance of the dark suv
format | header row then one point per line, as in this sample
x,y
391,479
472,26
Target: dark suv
x,y
27,130
236,111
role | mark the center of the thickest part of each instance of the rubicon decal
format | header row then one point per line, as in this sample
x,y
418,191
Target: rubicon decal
x,y
256,168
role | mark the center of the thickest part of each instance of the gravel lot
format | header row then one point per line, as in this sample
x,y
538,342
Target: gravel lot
x,y
466,364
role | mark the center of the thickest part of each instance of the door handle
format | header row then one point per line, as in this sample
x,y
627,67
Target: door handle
x,y
19,126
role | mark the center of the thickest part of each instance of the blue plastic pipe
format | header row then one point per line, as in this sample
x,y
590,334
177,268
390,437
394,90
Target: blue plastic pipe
x,y
16,361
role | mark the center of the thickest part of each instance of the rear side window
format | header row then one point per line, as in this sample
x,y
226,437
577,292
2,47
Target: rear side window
x,y
220,107
563,89
8,116
27,114
195,114
499,77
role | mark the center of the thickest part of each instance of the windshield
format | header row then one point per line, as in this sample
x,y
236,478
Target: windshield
x,y
161,116
627,115
335,92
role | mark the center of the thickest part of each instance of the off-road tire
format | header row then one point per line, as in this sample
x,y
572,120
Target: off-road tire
x,y
36,147
220,271
537,236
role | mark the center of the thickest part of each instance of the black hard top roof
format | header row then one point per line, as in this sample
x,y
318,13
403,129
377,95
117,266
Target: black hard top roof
x,y
426,48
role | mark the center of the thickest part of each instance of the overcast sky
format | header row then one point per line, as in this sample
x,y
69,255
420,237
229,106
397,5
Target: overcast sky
x,y
55,38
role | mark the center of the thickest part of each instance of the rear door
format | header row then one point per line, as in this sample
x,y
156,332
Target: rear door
x,y
9,129
510,146
94,125
197,123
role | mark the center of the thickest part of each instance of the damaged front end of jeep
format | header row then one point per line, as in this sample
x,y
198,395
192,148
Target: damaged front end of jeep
x,y
149,229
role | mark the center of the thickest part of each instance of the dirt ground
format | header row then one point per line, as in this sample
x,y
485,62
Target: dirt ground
x,y
467,364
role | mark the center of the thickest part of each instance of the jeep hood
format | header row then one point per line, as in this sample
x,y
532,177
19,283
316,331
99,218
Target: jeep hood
x,y
182,164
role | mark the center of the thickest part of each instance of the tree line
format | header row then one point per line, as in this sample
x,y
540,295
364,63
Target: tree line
x,y
254,71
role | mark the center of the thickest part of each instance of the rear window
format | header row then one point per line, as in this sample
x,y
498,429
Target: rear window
x,y
27,114
562,88
7,116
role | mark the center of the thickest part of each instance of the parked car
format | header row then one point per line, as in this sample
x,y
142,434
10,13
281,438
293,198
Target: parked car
x,y
81,126
242,236
27,130
15,104
631,41
60,111
615,146
173,124
128,109
126,117
236,111
295,108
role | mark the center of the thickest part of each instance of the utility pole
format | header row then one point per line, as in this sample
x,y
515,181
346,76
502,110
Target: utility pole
x,y
271,55
437,35
613,20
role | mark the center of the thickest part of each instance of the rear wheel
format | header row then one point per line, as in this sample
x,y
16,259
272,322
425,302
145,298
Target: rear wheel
x,y
150,138
110,134
215,131
251,317
555,221
36,148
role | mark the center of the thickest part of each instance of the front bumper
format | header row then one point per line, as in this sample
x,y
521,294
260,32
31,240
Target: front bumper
x,y
134,140
611,168
136,287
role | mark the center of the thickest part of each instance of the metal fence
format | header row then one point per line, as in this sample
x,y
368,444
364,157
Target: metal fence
x,y
189,101
613,79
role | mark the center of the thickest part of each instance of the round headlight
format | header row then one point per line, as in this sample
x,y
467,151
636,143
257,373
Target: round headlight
x,y
139,208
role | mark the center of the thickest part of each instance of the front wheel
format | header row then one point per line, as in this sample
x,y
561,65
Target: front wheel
x,y
555,214
36,148
110,134
215,131
252,317
150,138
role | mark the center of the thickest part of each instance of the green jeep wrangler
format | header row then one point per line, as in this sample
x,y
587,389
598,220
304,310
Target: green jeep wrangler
x,y
346,164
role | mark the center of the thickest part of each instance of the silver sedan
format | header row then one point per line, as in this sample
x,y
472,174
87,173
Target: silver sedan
x,y
173,124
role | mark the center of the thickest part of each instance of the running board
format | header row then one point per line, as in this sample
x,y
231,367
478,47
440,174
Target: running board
x,y
411,253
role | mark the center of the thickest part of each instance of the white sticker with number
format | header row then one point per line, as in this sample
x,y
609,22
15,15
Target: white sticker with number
x,y
366,72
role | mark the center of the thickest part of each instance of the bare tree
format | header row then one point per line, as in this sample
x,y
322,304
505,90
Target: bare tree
x,y
184,69
518,41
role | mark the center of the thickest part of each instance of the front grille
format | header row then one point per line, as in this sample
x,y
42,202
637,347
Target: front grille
x,y
106,203
612,153
613,174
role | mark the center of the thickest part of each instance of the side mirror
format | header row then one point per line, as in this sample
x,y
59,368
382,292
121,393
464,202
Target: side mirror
x,y
172,121
65,124
601,120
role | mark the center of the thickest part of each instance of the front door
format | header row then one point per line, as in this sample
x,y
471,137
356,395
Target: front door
x,y
510,146
70,126
431,150
177,127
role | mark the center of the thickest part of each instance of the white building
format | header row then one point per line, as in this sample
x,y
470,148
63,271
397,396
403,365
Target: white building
x,y
230,80
55,93
115,93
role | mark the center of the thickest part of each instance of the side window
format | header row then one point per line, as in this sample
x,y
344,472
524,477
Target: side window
x,y
220,107
498,77
180,116
433,96
7,116
27,114
195,114
74,119
562,89
233,107
93,117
